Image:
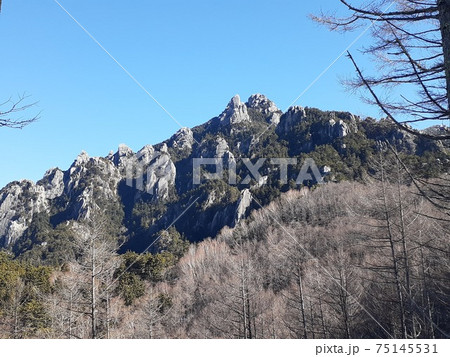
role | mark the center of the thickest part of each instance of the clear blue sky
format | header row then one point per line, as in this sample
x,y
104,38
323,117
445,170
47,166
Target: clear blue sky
x,y
193,56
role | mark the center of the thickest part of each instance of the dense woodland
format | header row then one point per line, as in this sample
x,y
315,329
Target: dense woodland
x,y
341,260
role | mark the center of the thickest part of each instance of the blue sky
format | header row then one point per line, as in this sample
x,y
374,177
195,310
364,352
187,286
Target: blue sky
x,y
193,56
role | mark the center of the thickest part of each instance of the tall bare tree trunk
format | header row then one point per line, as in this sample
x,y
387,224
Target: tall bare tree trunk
x,y
343,302
93,295
108,313
246,315
409,308
302,301
428,313
322,318
312,319
444,19
69,330
393,256
16,323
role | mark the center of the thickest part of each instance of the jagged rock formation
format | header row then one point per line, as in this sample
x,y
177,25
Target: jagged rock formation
x,y
182,139
293,116
148,190
243,204
87,181
266,107
338,129
234,113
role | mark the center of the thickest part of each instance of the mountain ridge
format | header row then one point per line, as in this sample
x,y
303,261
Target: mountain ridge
x,y
339,142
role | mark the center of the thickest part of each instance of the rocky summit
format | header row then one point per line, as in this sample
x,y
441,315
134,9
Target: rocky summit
x,y
152,189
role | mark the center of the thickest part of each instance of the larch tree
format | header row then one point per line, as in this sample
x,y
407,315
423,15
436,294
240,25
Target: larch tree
x,y
412,47
98,261
65,304
291,254
396,230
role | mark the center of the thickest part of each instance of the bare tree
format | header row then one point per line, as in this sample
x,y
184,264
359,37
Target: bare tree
x,y
98,260
435,190
412,47
10,115
234,310
65,305
292,271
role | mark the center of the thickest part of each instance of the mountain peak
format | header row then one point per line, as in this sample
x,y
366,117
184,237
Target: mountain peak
x,y
183,139
124,150
82,158
262,104
236,101
162,174
235,112
260,101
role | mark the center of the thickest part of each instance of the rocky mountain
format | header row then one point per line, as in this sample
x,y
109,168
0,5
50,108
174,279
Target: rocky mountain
x,y
145,192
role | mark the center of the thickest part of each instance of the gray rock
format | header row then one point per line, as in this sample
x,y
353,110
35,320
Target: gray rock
x,y
20,201
221,148
145,155
235,112
338,129
12,221
122,154
161,174
81,159
326,169
265,106
52,183
243,204
290,118
183,139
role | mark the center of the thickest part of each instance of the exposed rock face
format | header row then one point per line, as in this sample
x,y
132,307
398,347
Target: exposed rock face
x,y
339,128
326,169
243,204
221,148
129,184
87,181
122,154
19,201
398,138
290,118
227,216
183,139
145,155
161,175
223,152
403,140
338,125
13,222
336,129
149,171
52,183
265,106
81,159
234,113
218,148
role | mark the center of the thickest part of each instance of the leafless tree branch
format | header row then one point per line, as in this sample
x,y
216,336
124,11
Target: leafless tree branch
x,y
10,116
